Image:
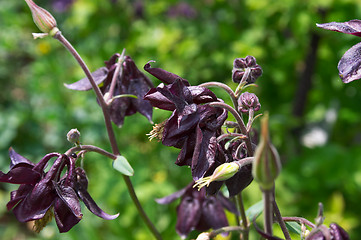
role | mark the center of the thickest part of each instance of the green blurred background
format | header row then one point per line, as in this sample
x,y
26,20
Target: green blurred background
x,y
197,40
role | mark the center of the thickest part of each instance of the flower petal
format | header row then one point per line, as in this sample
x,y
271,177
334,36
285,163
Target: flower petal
x,y
351,27
213,215
349,66
17,158
188,215
20,175
99,76
81,188
163,75
64,217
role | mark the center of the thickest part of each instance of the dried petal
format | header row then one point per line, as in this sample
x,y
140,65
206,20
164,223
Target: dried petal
x,y
351,27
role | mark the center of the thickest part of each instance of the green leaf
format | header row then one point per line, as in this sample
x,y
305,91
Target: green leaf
x,y
294,227
122,165
255,210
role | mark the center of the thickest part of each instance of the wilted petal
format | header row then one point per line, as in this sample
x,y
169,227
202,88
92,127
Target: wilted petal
x,y
351,27
18,195
349,65
188,215
99,76
338,232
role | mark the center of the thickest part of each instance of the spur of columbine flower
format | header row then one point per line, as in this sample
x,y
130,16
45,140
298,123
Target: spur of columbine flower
x,y
43,195
193,125
349,66
197,211
130,81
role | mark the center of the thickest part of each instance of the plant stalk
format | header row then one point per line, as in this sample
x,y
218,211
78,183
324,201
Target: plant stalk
x,y
109,128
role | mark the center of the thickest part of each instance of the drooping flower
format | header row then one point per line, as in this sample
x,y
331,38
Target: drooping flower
x,y
193,125
197,211
40,193
130,81
349,66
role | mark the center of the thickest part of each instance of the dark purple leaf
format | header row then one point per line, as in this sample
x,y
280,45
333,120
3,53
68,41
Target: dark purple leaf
x,y
349,66
99,76
351,27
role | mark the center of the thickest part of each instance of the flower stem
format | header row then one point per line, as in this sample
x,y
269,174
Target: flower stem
x,y
244,234
268,211
300,220
214,233
224,87
91,148
240,122
280,220
109,128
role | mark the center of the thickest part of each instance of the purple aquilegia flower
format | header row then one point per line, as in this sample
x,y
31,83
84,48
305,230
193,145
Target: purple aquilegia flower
x,y
41,192
197,211
235,151
131,81
192,127
248,101
349,66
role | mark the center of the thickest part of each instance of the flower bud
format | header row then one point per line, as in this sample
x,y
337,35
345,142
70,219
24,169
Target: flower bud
x,y
248,101
73,136
221,173
42,18
267,164
240,66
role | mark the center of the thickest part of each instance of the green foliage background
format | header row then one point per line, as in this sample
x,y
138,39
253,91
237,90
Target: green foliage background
x,y
36,111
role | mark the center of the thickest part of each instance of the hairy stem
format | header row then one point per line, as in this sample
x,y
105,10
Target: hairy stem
x,y
110,131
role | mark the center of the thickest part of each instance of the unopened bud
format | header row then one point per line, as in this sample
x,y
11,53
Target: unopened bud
x,y
248,101
267,164
73,136
221,173
42,18
240,66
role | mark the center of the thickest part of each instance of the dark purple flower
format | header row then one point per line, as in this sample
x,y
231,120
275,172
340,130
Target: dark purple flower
x,y
349,66
335,232
248,101
247,65
131,81
41,192
192,127
235,151
196,211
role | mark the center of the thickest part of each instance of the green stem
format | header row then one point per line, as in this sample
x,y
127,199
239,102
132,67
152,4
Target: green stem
x,y
268,211
214,233
110,131
242,211
280,220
